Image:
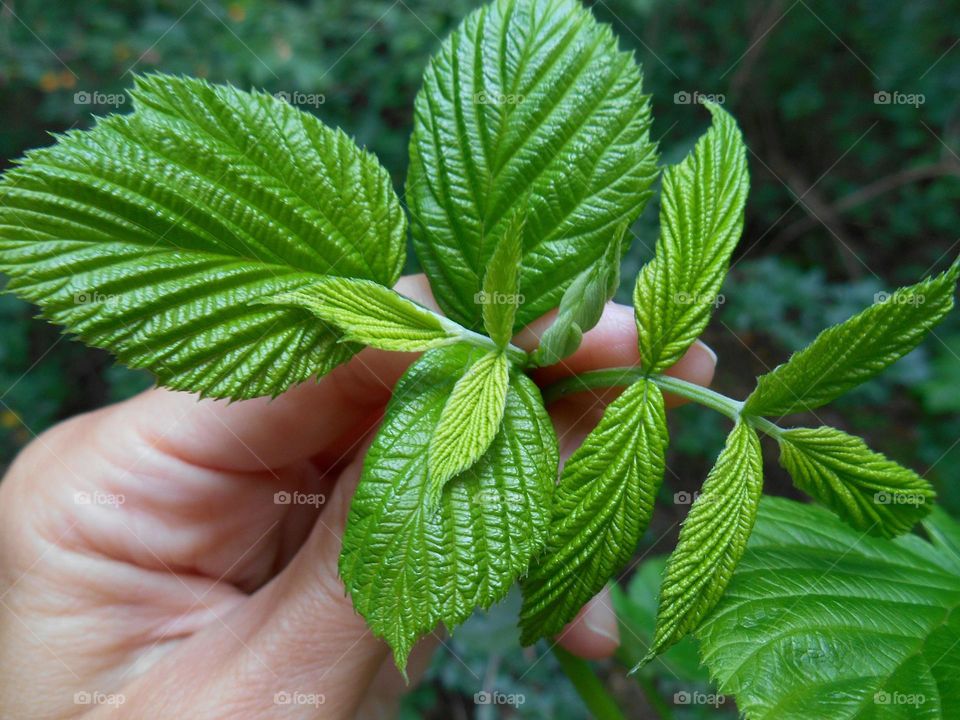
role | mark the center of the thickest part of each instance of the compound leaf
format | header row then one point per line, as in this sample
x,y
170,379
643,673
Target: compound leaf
x,y
845,355
409,567
823,621
150,234
602,507
582,304
712,539
701,219
863,487
469,421
529,104
369,313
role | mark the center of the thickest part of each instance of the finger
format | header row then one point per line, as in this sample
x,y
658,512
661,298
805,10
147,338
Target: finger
x,y
324,417
593,634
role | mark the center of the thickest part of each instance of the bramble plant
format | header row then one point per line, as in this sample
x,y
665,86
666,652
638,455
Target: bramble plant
x,y
236,246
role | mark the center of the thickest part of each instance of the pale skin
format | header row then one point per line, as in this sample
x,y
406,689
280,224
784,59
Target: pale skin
x,y
182,590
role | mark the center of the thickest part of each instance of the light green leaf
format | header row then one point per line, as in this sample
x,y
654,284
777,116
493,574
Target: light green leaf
x,y
822,621
582,304
863,487
369,313
150,234
701,219
845,355
712,539
409,567
500,296
602,507
470,420
529,104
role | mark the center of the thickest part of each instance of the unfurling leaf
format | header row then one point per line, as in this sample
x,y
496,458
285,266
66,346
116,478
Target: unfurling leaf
x,y
500,296
712,539
845,355
409,567
150,234
701,219
371,314
582,304
863,487
528,105
469,421
814,602
602,507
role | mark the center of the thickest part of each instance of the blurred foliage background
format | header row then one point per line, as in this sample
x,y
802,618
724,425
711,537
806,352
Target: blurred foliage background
x,y
852,115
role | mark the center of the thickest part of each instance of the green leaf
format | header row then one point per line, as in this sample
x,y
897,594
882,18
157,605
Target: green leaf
x,y
470,420
845,355
863,487
602,507
582,304
150,234
712,539
369,313
822,621
701,219
409,567
528,105
500,296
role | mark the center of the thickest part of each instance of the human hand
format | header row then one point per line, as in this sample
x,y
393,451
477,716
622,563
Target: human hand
x,y
148,571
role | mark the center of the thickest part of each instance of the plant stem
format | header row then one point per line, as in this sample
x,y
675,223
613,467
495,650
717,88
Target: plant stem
x,y
619,377
588,685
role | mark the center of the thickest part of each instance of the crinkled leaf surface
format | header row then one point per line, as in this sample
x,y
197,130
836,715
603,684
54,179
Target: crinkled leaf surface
x,y
602,507
409,567
823,621
701,219
150,234
712,539
529,104
582,304
501,284
866,489
845,355
470,420
369,313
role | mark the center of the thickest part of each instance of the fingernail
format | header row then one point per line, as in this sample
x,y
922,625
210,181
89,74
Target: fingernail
x,y
710,352
599,617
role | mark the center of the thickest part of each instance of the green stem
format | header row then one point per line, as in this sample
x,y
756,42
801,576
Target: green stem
x,y
517,355
588,685
619,377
